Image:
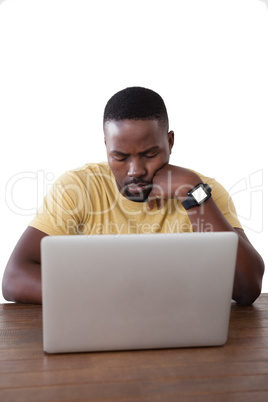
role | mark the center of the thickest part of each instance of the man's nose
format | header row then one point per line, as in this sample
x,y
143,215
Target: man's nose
x,y
136,168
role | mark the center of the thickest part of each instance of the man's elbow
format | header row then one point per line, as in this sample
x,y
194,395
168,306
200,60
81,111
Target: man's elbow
x,y
248,297
8,288
250,290
13,286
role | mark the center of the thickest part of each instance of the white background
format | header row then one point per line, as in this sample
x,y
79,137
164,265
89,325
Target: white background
x,y
61,60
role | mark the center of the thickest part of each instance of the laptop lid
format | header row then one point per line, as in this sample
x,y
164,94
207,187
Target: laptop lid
x,y
107,292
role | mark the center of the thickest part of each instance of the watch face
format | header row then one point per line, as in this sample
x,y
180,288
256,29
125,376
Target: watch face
x,y
199,195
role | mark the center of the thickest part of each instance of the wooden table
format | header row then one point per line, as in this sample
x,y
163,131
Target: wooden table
x,y
237,371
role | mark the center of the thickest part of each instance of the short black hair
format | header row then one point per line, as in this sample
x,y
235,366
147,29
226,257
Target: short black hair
x,y
136,103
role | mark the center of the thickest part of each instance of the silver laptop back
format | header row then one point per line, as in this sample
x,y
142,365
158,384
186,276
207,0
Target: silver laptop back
x,y
111,292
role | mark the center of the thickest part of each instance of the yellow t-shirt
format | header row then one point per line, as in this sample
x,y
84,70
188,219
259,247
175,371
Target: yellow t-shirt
x,y
87,201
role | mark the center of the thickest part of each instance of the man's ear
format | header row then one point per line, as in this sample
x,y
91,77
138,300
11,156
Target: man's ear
x,y
170,140
104,140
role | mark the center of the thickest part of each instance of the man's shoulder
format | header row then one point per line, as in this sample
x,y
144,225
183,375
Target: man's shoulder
x,y
89,171
94,168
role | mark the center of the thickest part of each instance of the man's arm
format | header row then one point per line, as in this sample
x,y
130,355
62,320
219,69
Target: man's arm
x,y
175,182
249,264
22,276
249,271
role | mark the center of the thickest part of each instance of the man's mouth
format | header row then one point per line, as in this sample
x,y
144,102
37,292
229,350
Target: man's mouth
x,y
137,188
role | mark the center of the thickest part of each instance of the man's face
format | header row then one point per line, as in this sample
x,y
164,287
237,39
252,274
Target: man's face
x,y
136,150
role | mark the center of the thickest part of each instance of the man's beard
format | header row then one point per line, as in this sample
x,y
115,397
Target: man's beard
x,y
140,190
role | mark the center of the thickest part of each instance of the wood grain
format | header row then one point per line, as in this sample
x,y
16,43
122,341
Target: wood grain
x,y
237,371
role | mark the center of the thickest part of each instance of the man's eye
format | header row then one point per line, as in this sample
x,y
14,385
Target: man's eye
x,y
150,155
120,158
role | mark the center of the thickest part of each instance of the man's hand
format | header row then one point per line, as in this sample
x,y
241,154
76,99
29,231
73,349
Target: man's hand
x,y
171,182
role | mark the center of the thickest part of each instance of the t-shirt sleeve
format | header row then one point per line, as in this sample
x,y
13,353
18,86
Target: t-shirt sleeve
x,y
224,203
63,207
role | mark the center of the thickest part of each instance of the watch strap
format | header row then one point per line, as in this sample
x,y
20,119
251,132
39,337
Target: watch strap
x,y
188,202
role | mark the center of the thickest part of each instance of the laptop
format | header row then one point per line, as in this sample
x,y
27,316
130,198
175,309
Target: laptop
x,y
138,291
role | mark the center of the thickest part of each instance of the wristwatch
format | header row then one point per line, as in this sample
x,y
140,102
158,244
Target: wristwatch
x,y
197,196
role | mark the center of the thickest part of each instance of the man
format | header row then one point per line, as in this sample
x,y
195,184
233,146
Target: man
x,y
137,191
